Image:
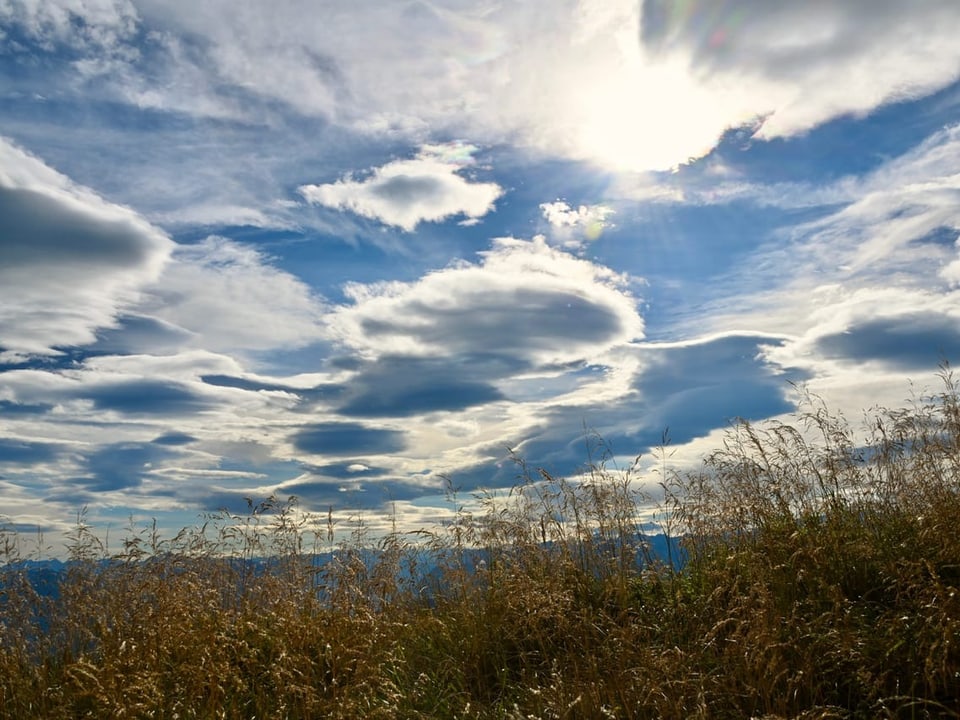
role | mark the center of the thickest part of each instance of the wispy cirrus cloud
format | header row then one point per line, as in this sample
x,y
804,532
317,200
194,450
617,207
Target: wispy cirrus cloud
x,y
93,26
864,293
888,231
808,62
226,296
627,85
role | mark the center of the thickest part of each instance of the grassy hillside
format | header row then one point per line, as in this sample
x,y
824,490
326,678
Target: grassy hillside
x,y
819,580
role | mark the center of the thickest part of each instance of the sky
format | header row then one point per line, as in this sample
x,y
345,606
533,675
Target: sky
x,y
359,252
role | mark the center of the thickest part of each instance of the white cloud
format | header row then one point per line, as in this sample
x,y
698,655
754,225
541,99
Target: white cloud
x,y
93,24
951,272
186,366
628,85
587,222
230,298
70,262
524,300
223,214
885,232
895,230
867,293
428,188
871,346
813,61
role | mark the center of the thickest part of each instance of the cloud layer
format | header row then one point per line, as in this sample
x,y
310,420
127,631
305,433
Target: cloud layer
x,y
813,61
627,85
263,265
70,262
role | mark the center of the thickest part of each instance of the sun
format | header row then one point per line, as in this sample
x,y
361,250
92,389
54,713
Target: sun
x,y
642,115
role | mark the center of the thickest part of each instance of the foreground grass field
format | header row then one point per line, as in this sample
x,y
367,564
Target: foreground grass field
x,y
819,580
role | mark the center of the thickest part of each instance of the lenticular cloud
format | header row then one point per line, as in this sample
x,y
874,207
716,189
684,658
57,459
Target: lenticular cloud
x,y
405,193
70,262
523,299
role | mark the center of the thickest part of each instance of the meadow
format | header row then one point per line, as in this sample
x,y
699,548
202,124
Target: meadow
x,y
811,571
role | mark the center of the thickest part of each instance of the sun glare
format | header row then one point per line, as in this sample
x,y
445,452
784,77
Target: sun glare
x,y
642,116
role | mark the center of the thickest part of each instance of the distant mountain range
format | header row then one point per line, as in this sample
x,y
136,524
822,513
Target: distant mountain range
x,y
45,576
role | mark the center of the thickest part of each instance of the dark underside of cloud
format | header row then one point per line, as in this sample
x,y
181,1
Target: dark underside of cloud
x,y
24,452
147,397
325,493
346,471
66,358
138,334
9,408
334,438
405,386
405,189
694,389
120,466
917,341
718,31
520,321
944,236
37,228
684,391
240,383
413,400
398,386
174,439
321,393
706,385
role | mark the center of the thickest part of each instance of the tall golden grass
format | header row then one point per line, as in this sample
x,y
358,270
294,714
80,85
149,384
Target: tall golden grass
x,y
820,578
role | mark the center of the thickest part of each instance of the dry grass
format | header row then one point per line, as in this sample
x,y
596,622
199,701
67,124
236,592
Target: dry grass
x,y
821,582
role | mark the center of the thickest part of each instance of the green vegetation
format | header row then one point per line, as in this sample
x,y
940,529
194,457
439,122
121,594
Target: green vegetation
x,y
820,580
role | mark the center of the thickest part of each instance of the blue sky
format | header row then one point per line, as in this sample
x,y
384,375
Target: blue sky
x,y
349,251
